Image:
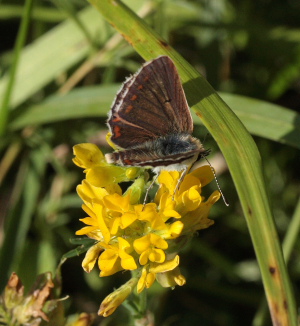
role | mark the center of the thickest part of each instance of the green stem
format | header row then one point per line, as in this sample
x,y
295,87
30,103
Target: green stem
x,y
289,241
136,304
67,6
39,13
142,297
292,233
21,38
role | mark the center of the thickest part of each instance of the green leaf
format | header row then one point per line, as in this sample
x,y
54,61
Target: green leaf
x,y
265,119
52,54
261,118
45,14
57,51
80,103
85,245
24,201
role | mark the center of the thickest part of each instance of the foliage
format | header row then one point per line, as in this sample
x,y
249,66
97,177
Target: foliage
x,y
58,80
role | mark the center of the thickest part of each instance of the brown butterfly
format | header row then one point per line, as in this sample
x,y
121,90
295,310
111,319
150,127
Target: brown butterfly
x,y
151,122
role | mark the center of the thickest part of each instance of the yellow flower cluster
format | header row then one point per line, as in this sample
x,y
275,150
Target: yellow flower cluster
x,y
132,236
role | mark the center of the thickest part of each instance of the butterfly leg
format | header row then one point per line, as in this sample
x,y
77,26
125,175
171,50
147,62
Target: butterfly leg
x,y
185,171
149,188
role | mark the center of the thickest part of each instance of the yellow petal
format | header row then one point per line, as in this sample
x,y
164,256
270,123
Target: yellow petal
x,y
87,155
132,173
128,262
171,278
91,257
175,230
171,213
142,244
117,203
124,245
150,278
188,182
101,222
169,179
158,242
89,221
180,280
144,257
86,230
88,192
157,256
191,199
167,265
142,281
109,262
127,219
214,197
113,300
204,174
108,259
104,176
114,226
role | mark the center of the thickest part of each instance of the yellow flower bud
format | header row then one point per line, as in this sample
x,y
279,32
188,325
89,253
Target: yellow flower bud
x,y
113,300
171,278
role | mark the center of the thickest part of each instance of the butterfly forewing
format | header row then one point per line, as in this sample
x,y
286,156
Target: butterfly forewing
x,y
150,104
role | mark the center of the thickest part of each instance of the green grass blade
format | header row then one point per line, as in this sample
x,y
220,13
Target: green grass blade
x,y
260,118
289,241
52,54
265,119
44,14
292,233
238,149
4,108
68,7
24,202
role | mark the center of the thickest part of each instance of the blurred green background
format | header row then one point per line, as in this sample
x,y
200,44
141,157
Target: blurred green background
x,y
67,74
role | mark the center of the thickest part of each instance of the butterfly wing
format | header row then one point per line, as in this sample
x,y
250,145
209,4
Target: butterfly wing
x,y
150,104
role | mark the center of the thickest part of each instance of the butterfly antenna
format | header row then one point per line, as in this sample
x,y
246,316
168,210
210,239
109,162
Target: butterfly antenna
x,y
213,171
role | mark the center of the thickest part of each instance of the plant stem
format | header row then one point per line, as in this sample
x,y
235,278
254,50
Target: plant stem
x,y
21,38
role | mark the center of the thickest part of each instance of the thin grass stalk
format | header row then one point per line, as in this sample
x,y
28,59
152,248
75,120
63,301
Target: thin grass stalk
x,y
67,6
21,38
39,13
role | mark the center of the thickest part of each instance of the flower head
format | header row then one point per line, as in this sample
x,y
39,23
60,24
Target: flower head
x,y
146,238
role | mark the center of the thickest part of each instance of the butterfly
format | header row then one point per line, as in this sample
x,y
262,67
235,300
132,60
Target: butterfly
x,y
151,123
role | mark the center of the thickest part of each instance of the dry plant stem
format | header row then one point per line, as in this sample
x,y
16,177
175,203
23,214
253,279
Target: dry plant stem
x,y
92,62
289,241
8,159
89,65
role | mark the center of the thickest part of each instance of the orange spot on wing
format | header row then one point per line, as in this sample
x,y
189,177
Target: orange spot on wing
x,y
116,119
129,108
146,78
134,97
140,87
117,131
128,162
